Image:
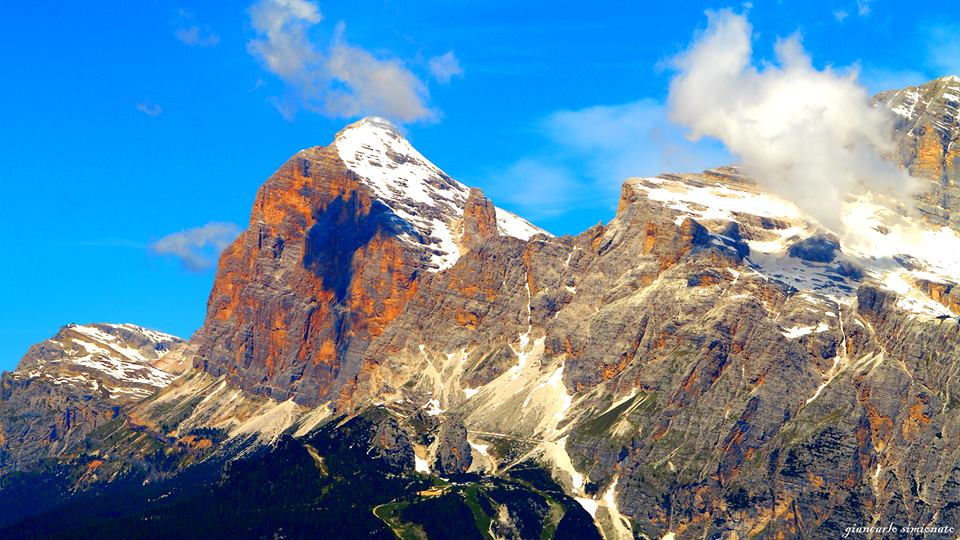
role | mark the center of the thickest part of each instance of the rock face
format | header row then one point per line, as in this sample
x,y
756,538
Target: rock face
x,y
709,362
690,376
479,220
453,454
67,386
927,123
339,240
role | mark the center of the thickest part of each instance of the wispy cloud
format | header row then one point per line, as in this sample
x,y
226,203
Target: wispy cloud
x,y
943,49
445,67
197,248
809,135
586,154
861,8
190,33
195,37
877,79
149,108
541,188
338,79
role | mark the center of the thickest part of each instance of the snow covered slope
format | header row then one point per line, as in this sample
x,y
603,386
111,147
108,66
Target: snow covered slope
x,y
67,386
878,241
415,189
102,358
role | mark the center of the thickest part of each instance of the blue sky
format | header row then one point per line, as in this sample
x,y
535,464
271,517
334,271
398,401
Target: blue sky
x,y
121,124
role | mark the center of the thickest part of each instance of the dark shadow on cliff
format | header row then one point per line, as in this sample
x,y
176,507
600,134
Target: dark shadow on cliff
x,y
339,231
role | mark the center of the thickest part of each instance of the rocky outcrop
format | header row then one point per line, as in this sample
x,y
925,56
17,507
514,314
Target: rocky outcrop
x,y
927,127
453,450
69,385
819,248
479,220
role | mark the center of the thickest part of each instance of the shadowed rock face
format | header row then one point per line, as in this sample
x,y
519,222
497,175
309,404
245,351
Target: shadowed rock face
x,y
820,248
300,292
337,233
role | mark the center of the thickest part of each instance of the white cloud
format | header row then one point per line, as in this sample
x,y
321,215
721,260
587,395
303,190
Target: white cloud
x,y
199,247
340,80
282,44
632,139
445,67
368,85
149,108
839,15
863,7
807,134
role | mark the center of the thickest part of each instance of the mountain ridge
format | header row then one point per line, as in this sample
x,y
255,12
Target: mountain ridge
x,y
68,385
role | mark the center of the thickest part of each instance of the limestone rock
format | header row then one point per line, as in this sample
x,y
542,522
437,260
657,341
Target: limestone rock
x,y
70,384
927,129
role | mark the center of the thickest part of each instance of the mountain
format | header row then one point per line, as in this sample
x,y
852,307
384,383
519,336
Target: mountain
x,y
383,342
927,127
339,239
68,385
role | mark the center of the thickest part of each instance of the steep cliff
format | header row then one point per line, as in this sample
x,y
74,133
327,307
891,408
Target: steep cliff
x,y
339,239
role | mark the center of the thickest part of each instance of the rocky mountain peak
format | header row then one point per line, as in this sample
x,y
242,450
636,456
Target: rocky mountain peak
x,y
76,381
414,189
340,238
926,129
117,358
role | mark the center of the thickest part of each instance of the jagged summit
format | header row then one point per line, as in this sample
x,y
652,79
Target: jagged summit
x,y
415,189
902,253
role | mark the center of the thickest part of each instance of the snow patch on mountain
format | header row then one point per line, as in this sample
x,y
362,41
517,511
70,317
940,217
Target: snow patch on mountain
x,y
878,238
116,357
415,189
